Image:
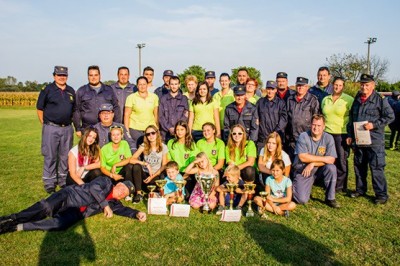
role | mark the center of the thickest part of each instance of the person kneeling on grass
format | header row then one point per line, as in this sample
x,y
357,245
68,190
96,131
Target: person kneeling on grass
x,y
232,174
279,192
71,204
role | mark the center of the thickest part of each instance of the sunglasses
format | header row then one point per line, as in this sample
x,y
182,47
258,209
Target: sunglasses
x,y
117,127
152,133
237,133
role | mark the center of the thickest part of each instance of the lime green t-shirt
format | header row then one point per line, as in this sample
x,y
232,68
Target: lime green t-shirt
x,y
203,113
177,152
250,151
214,150
142,110
109,157
223,102
336,113
254,99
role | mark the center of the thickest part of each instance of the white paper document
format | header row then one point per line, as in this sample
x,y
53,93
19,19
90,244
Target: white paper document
x,y
157,206
179,210
231,216
363,136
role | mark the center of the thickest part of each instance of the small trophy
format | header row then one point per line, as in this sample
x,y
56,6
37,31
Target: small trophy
x,y
180,184
160,184
250,192
206,182
264,195
231,187
151,188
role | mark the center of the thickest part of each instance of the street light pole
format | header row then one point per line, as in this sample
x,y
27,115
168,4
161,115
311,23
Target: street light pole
x,y
369,42
140,46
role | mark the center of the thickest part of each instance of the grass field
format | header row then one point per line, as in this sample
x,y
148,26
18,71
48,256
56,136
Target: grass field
x,y
359,233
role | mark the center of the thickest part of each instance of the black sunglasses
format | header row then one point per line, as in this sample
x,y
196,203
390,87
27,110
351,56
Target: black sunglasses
x,y
237,133
150,133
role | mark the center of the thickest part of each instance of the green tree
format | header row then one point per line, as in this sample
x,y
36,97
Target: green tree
x,y
253,73
109,82
195,70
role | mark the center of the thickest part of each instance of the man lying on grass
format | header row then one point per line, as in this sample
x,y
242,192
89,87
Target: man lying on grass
x,y
71,204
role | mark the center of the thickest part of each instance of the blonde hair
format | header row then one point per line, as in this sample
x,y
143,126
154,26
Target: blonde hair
x,y
232,145
191,78
233,170
278,152
201,155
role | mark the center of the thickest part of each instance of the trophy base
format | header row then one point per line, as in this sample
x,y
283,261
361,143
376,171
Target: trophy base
x,y
250,214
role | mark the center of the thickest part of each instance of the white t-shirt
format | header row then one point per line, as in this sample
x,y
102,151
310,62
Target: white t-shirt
x,y
285,159
74,151
154,159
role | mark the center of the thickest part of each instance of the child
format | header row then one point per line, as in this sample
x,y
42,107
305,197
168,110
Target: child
x,y
202,166
170,188
279,192
232,174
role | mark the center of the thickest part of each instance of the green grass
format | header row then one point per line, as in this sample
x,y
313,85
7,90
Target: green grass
x,y
359,233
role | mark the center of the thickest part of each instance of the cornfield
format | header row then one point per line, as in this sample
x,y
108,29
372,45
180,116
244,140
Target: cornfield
x,y
18,98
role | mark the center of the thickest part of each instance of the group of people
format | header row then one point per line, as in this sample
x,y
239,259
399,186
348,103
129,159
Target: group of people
x,y
137,134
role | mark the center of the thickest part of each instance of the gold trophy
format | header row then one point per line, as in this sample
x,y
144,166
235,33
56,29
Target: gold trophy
x,y
231,187
151,188
160,184
180,184
264,195
249,188
206,182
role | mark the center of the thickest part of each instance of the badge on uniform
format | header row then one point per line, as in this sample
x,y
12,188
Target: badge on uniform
x,y
321,151
214,152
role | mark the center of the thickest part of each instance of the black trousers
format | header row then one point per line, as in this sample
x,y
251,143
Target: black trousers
x,y
341,163
91,175
139,175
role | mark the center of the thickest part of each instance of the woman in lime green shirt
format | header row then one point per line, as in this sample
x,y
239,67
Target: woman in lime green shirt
x,y
241,152
202,110
336,109
212,146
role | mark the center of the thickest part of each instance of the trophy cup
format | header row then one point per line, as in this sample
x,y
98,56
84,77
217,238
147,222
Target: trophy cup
x,y
231,187
151,188
206,182
250,192
160,184
263,195
180,184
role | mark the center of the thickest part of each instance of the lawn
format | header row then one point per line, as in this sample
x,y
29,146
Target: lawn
x,y
359,233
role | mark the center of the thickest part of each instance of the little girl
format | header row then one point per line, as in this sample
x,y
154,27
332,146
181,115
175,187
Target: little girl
x,y
279,192
202,166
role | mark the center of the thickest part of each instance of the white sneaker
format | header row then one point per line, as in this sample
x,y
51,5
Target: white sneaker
x,y
128,198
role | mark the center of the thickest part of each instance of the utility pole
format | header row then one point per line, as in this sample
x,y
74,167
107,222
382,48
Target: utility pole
x,y
369,42
140,46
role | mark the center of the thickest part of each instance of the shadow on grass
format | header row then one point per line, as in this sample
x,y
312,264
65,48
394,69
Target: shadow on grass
x,y
288,246
69,247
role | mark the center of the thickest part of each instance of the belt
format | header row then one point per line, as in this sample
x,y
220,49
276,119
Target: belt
x,y
56,125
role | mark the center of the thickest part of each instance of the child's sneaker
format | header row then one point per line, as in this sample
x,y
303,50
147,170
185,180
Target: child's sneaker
x,y
220,210
138,198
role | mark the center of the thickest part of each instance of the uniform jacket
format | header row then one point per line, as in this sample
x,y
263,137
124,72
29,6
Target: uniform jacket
x,y
272,117
88,102
375,110
299,115
171,110
121,95
248,118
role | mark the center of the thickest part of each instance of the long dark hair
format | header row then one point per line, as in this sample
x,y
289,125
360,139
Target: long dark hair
x,y
188,137
92,151
147,145
196,99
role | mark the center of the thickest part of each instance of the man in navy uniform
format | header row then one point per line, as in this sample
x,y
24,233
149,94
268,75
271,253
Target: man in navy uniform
x,y
55,107
370,107
300,107
173,107
89,98
122,89
209,77
241,112
283,89
164,89
323,87
71,204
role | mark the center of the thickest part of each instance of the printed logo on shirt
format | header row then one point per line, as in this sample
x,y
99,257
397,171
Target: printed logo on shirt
x,y
186,156
121,157
214,152
321,151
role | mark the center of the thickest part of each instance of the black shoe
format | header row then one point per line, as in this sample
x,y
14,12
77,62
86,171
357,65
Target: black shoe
x,y
138,198
356,194
7,227
380,201
50,190
332,203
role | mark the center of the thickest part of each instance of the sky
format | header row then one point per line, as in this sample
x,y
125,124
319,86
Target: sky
x,y
292,36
